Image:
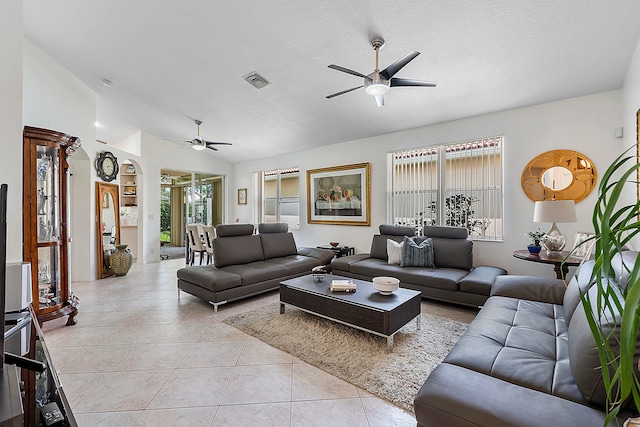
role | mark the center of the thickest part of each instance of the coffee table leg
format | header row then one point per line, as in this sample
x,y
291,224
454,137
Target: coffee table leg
x,y
390,344
281,308
418,322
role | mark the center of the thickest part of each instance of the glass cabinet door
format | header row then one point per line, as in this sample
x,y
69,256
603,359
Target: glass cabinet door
x,y
45,231
47,184
49,288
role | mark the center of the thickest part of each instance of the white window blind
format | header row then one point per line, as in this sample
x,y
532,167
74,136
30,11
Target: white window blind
x,y
455,184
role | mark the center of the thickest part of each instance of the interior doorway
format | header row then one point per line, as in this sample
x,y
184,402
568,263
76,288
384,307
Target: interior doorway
x,y
187,197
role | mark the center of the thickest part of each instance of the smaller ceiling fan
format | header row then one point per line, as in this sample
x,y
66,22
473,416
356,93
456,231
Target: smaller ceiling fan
x,y
198,143
379,82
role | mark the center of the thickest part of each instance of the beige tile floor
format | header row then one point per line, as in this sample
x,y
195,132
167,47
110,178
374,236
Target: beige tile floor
x,y
139,356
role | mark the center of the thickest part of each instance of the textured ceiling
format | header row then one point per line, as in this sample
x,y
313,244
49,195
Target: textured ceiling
x,y
171,62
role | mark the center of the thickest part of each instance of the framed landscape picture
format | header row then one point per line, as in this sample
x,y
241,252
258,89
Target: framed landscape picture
x,y
339,195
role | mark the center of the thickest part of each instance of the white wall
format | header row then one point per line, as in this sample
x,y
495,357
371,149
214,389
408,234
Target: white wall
x,y
631,103
55,99
11,121
631,106
584,124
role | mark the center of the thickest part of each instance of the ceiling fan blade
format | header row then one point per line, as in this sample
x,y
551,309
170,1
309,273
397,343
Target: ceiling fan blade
x,y
212,147
392,69
410,82
217,143
380,100
348,71
176,140
343,92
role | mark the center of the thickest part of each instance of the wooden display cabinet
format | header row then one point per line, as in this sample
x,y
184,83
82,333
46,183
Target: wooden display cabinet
x,y
45,216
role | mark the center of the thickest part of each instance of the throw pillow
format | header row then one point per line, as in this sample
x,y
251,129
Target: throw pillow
x,y
417,255
394,251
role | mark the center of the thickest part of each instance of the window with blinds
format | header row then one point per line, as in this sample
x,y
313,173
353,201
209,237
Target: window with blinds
x,y
455,184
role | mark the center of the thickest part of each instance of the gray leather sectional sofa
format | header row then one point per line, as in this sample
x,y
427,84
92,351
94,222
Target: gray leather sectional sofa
x,y
453,279
527,359
247,264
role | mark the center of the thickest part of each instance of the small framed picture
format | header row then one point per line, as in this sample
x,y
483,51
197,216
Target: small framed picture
x,y
242,196
583,244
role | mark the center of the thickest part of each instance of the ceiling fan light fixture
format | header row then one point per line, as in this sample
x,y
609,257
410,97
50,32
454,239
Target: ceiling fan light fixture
x,y
198,144
376,89
375,84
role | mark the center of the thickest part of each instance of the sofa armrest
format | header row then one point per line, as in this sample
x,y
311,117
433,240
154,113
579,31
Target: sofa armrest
x,y
324,255
344,263
529,288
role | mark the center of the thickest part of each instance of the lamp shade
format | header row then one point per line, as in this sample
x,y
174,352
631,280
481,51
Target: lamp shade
x,y
555,211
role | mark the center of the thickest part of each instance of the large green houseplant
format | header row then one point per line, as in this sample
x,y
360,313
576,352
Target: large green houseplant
x,y
613,312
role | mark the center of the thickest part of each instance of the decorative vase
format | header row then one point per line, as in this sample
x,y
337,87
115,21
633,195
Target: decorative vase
x,y
534,249
121,260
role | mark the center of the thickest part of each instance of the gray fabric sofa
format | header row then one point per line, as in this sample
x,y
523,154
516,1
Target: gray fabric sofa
x,y
527,360
454,279
247,264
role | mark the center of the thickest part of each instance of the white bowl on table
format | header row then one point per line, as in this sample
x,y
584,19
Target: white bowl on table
x,y
386,285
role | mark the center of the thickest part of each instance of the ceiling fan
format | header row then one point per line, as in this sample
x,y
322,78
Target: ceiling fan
x,y
379,82
198,143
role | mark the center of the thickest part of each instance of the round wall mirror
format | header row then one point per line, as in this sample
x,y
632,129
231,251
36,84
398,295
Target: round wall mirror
x,y
559,174
557,178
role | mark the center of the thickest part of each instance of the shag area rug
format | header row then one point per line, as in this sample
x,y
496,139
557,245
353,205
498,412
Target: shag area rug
x,y
355,356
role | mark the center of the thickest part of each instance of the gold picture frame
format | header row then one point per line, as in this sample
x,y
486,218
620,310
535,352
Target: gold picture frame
x,y
242,196
339,195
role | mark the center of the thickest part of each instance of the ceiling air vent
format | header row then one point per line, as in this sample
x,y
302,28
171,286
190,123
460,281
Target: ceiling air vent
x,y
256,80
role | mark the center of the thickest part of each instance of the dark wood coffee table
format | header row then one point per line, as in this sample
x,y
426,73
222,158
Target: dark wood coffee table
x,y
364,309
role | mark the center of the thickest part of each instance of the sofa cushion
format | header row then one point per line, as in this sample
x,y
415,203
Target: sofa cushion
x,y
209,278
521,342
394,251
585,361
296,264
258,271
439,278
228,230
455,396
446,232
580,282
324,255
344,263
379,245
417,254
622,264
273,227
453,253
237,250
275,245
480,280
396,230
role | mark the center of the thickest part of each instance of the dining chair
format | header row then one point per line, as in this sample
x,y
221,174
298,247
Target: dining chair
x,y
195,243
209,232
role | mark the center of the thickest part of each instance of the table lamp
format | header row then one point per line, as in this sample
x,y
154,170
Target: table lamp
x,y
554,211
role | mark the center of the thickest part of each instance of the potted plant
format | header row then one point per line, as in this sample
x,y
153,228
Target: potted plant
x,y
613,307
536,237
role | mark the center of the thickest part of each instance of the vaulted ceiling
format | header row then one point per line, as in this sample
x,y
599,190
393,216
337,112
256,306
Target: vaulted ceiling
x,y
171,62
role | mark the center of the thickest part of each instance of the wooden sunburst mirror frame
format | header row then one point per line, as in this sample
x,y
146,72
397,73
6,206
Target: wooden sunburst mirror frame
x,y
583,176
